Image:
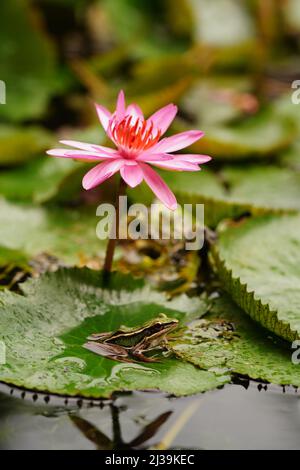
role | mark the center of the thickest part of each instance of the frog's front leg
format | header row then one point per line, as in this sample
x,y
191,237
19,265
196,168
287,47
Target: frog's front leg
x,y
111,351
138,354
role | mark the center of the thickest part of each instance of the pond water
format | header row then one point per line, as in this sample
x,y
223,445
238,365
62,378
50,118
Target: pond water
x,y
230,418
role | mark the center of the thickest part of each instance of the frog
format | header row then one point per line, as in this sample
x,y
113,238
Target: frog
x,y
131,344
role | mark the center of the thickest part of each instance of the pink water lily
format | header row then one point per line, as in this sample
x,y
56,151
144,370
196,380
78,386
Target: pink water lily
x,y
138,146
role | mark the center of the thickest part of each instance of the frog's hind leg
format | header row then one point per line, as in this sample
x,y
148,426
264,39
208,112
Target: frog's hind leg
x,y
111,351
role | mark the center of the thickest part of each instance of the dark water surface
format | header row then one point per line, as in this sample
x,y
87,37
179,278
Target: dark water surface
x,y
230,418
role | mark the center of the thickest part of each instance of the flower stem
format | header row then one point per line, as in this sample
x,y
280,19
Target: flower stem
x,y
111,245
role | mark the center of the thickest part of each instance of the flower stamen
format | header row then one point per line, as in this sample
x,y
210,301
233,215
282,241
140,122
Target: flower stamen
x,y
134,138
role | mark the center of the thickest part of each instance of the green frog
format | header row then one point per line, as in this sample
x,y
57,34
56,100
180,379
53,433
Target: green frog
x,y
131,344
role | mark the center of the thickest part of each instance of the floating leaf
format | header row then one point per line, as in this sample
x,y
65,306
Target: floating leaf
x,y
258,136
27,62
18,145
67,234
258,262
235,191
38,181
45,328
248,350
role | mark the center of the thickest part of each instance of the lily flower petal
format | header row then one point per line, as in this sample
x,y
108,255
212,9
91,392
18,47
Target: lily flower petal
x,y
159,187
177,141
88,147
104,115
132,175
135,112
149,157
164,117
100,173
120,108
192,158
176,165
77,155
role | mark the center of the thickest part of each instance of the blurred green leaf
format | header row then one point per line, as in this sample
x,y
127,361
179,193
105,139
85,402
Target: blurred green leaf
x,y
238,190
27,62
20,144
67,234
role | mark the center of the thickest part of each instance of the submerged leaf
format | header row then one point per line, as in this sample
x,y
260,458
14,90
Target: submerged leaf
x,y
45,328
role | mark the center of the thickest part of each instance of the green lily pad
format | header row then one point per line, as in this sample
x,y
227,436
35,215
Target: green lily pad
x,y
38,181
68,234
45,328
260,136
249,349
235,191
18,145
258,263
27,62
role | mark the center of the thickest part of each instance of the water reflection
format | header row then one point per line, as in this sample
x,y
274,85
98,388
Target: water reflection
x,y
231,418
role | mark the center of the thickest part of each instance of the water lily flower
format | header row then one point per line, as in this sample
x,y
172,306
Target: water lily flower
x,y
138,147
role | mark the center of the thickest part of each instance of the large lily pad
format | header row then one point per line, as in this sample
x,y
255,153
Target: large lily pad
x,y
258,262
68,234
249,349
45,328
235,191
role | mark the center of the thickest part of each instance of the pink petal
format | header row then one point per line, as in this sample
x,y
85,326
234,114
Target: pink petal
x,y
159,187
176,165
104,115
120,108
89,147
100,173
163,117
135,112
192,158
177,141
66,153
148,157
132,175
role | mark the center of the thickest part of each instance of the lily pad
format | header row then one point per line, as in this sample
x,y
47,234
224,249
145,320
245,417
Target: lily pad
x,y
260,136
27,62
227,339
18,145
38,181
258,263
68,234
45,328
235,191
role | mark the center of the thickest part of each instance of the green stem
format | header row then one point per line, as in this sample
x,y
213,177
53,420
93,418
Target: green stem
x,y
111,245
